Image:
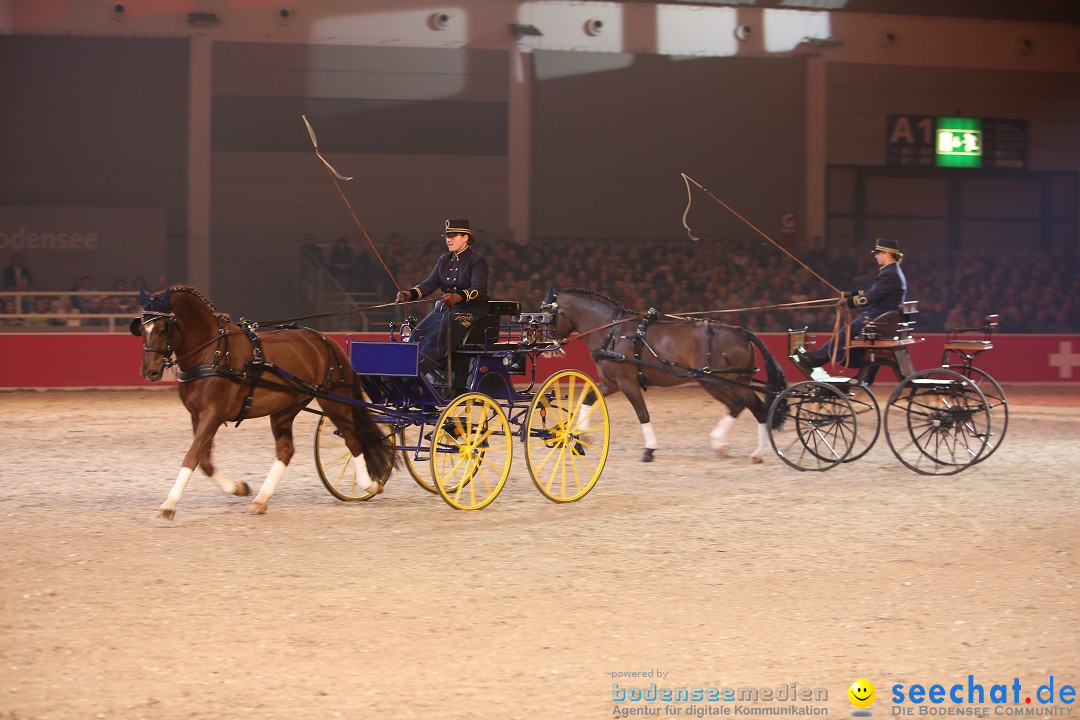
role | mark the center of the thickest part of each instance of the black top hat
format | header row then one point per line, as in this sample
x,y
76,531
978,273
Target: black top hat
x,y
886,245
454,227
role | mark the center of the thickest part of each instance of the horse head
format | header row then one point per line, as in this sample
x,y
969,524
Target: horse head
x,y
156,327
578,310
562,324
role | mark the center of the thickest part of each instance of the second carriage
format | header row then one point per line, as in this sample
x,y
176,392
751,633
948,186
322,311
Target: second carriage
x,y
456,434
938,421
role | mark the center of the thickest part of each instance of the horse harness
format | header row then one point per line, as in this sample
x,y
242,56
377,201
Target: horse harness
x,y
252,371
606,351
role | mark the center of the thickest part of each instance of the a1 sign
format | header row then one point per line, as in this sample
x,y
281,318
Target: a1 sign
x,y
910,140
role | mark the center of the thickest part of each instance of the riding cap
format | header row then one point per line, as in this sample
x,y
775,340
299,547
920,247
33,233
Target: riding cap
x,y
459,226
889,246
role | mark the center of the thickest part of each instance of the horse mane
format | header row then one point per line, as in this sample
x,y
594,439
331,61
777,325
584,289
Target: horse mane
x,y
601,296
198,295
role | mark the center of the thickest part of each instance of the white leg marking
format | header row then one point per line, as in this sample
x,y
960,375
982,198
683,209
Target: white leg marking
x,y
719,434
268,487
223,482
363,480
650,436
584,418
177,491
762,444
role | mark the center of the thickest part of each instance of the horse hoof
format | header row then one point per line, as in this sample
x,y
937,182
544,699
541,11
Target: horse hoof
x,y
647,456
375,488
258,508
167,513
242,489
756,459
720,449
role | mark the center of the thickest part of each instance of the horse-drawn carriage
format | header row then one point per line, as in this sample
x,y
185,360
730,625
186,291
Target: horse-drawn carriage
x,y
938,421
377,410
455,433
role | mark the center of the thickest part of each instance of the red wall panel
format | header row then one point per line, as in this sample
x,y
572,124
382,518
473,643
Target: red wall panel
x,y
113,360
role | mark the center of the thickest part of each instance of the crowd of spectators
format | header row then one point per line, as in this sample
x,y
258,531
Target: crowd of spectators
x,y
22,305
1032,291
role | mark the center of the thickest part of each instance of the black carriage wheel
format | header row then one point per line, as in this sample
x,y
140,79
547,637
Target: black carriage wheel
x,y
937,422
996,402
868,411
820,429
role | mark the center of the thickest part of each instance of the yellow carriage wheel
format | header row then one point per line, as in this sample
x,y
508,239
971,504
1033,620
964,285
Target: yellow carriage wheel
x,y
334,463
473,448
415,444
567,436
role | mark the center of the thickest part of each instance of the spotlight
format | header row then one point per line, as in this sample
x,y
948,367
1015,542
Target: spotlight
x,y
284,15
594,27
117,11
888,39
1025,45
440,20
743,33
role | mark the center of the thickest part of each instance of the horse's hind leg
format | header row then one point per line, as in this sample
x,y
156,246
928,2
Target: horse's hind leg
x,y
281,425
342,417
761,414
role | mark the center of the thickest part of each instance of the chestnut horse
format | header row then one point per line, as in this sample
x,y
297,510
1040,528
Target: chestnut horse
x,y
633,351
229,372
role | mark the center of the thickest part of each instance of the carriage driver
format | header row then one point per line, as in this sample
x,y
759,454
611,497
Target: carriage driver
x,y
886,293
462,275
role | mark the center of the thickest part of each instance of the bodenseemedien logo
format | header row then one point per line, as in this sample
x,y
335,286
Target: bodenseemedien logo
x,y
862,695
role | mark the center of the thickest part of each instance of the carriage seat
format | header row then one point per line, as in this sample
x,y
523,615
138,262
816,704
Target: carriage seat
x,y
484,333
889,329
967,347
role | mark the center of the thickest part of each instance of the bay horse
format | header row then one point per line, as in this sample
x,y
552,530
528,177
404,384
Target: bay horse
x,y
633,351
229,372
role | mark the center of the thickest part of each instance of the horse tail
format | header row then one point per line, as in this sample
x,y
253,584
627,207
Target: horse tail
x,y
379,454
775,382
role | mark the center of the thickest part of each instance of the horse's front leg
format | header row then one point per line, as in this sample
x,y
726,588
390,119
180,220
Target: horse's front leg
x,y
633,393
200,448
281,425
206,464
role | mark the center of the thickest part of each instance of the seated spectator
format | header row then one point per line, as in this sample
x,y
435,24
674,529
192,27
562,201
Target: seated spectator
x,y
82,285
64,307
10,307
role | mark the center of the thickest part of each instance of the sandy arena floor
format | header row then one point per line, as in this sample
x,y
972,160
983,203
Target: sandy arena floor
x,y
714,571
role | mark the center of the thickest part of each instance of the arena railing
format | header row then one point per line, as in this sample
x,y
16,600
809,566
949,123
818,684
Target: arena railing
x,y
55,311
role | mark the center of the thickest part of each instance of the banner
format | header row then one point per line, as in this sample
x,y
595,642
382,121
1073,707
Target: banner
x,y
61,244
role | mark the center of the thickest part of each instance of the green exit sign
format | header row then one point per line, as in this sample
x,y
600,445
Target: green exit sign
x,y
959,142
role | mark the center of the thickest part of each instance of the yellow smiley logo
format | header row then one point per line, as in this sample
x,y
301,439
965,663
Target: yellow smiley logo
x,y
862,693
